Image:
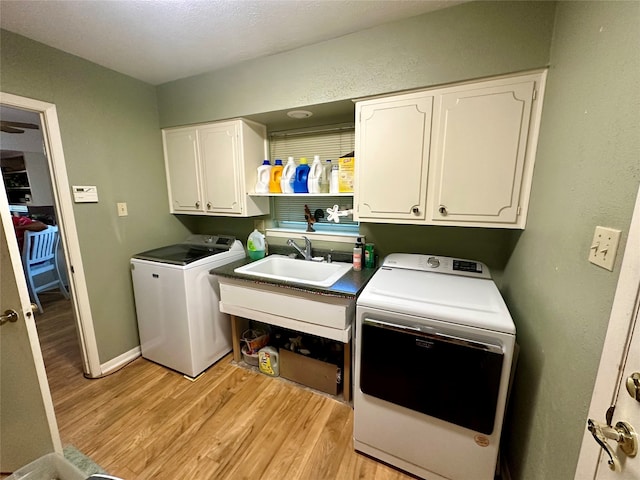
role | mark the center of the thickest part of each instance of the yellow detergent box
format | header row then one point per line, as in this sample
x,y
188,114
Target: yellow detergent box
x,y
345,174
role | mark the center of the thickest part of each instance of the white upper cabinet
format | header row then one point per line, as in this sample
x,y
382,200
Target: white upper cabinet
x,y
392,157
481,140
182,166
478,156
210,168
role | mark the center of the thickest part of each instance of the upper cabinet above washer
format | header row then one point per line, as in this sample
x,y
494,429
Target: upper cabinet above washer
x,y
211,167
478,154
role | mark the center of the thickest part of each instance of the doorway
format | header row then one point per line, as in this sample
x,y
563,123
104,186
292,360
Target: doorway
x,y
28,188
51,141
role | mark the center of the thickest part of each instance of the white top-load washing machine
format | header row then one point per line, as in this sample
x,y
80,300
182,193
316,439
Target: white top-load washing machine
x,y
179,320
434,350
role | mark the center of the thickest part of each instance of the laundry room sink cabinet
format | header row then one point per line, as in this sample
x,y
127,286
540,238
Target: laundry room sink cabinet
x,y
211,167
460,155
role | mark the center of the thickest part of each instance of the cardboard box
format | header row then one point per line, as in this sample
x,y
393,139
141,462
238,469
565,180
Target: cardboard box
x,y
309,371
346,173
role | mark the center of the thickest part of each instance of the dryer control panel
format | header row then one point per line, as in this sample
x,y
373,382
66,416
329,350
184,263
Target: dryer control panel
x,y
437,264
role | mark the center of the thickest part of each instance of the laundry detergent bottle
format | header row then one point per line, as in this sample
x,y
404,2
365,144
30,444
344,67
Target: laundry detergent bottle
x,y
326,176
264,174
302,176
256,245
315,175
276,176
288,175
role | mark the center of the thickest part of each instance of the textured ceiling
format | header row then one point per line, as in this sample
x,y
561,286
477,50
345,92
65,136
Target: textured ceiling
x,y
163,40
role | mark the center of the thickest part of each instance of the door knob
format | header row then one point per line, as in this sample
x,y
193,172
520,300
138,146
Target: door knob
x,y
623,433
8,316
443,210
633,386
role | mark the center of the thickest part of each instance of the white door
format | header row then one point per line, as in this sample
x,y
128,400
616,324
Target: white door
x,y
28,427
619,364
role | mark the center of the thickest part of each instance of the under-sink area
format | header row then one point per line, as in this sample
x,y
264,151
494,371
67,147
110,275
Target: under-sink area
x,y
287,269
305,296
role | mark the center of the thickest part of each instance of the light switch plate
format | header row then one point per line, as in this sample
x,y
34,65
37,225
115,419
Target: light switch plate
x,y
122,209
604,247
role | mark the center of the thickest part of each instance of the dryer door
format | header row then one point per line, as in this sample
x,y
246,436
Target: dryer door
x,y
436,373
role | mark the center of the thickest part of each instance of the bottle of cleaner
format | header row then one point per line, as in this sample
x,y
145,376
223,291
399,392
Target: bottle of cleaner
x,y
302,175
276,176
326,177
334,181
288,174
315,174
264,173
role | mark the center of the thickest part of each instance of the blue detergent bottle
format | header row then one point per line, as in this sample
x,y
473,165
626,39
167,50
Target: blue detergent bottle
x,y
302,175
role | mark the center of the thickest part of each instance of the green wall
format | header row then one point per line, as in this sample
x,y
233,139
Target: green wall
x,y
462,42
587,174
111,138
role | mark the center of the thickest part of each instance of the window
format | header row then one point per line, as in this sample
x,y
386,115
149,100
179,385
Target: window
x,y
330,143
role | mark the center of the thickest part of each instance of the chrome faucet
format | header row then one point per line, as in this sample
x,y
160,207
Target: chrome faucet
x,y
306,253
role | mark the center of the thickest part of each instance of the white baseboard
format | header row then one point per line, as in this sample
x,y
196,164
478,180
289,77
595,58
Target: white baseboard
x,y
119,361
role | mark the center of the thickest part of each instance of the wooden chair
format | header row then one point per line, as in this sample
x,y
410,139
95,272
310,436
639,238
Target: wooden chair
x,y
40,257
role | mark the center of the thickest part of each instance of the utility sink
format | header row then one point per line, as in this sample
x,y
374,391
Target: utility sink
x,y
279,267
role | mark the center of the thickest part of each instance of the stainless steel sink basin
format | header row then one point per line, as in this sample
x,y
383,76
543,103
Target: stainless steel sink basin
x,y
279,267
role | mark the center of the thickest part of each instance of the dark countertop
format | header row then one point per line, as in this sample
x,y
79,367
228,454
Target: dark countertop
x,y
349,286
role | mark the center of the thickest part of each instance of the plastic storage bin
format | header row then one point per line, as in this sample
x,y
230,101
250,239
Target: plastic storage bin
x,y
47,467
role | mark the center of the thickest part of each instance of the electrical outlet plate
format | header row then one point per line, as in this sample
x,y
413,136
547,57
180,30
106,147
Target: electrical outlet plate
x,y
604,247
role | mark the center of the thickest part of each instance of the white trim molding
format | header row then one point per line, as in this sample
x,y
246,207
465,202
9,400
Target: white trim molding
x,y
67,223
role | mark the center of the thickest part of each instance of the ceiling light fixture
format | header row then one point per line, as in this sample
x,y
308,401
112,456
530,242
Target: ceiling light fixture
x,y
299,114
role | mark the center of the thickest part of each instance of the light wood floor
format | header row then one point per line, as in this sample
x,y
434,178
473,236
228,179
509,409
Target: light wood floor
x,y
148,422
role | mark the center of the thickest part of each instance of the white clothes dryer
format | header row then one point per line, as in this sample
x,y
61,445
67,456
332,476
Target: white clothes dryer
x,y
179,320
434,350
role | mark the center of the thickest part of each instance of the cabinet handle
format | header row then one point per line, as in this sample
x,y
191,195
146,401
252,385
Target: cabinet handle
x,y
443,210
208,205
415,210
197,204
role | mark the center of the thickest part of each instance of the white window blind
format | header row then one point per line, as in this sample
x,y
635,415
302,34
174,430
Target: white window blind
x,y
330,143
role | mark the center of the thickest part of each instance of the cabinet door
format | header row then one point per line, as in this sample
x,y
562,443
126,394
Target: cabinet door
x,y
183,177
218,144
480,143
392,158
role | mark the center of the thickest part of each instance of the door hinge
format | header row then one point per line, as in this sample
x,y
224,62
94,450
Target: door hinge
x,y
72,270
519,210
535,93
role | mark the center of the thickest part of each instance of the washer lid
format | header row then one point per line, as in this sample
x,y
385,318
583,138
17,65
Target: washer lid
x,y
179,254
452,298
194,248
